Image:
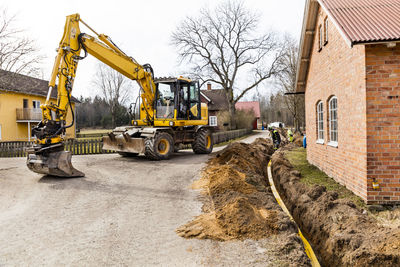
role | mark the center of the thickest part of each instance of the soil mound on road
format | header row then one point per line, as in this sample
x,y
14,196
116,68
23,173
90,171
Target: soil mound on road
x,y
340,233
241,203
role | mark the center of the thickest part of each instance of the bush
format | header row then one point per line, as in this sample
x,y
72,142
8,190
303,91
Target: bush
x,y
244,119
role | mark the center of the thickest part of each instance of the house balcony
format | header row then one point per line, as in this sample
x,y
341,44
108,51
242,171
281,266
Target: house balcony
x,y
29,114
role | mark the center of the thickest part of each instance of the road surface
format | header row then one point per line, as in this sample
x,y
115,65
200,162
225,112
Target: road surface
x,y
124,212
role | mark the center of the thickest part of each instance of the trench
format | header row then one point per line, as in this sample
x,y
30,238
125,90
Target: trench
x,y
340,233
242,206
307,246
238,203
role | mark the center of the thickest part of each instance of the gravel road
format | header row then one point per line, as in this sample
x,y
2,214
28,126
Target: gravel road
x,y
124,212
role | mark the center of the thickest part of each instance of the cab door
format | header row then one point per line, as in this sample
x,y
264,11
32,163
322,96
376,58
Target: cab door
x,y
194,101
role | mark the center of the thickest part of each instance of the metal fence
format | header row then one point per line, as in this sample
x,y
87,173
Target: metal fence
x,y
94,146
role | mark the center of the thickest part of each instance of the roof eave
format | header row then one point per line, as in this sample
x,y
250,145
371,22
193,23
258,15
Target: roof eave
x,y
307,32
35,94
307,37
376,42
208,99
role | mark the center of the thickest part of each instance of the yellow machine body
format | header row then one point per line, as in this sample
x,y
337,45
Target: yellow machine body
x,y
185,118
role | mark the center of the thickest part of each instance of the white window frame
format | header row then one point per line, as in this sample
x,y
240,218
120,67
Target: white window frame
x,y
36,103
333,122
213,120
320,122
321,37
326,25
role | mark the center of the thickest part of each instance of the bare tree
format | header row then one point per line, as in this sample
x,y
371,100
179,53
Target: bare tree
x,y
223,44
287,80
113,88
17,53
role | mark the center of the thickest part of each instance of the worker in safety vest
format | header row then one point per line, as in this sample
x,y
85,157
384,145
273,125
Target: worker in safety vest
x,y
276,138
290,135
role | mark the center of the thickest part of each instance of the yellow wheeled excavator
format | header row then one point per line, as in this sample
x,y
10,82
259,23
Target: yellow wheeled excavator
x,y
170,110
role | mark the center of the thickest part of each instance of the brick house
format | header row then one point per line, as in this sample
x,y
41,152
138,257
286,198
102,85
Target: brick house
x,y
20,99
349,69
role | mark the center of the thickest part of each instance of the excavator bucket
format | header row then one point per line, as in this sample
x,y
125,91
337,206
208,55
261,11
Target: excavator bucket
x,y
123,143
56,163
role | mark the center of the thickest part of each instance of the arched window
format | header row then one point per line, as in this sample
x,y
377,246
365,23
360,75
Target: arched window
x,y
333,120
320,122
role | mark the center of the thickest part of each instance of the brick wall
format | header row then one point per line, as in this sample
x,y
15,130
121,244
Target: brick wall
x,y
338,70
383,122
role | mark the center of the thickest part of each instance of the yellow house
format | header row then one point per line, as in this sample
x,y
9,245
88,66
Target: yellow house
x,y
20,99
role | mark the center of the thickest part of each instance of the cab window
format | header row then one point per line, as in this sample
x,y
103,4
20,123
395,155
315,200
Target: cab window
x,y
194,101
165,101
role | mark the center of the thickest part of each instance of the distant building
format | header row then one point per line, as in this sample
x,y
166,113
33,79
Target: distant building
x,y
349,69
20,99
215,99
217,102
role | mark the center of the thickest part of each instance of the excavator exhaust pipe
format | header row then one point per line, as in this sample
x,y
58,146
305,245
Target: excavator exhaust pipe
x,y
56,163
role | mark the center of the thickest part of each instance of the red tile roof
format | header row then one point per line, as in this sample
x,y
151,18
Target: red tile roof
x,y
366,20
251,105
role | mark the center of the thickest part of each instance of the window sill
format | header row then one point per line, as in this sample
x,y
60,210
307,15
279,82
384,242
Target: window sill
x,y
333,144
320,142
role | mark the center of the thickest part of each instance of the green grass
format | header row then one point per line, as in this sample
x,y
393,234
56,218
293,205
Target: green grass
x,y
95,131
235,140
311,175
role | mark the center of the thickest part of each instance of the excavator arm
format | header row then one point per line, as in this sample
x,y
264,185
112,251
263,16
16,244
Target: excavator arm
x,y
47,156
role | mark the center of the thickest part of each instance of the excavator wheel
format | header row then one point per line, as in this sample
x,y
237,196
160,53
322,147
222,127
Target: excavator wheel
x,y
203,142
160,147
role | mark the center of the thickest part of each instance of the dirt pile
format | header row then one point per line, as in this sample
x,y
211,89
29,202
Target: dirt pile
x,y
340,233
298,139
240,204
234,181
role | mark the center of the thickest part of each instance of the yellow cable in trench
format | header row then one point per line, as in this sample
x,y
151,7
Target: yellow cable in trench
x,y
307,247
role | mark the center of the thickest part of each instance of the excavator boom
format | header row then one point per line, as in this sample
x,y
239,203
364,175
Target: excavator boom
x,y
47,156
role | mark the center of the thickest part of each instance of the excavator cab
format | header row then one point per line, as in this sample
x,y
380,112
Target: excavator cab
x,y
177,99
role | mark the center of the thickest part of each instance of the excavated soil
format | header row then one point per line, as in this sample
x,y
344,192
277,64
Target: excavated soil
x,y
341,234
298,139
239,204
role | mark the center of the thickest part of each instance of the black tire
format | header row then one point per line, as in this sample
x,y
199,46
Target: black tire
x,y
160,147
203,142
128,154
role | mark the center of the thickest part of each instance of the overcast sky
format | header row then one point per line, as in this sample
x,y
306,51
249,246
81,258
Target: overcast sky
x,y
141,28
